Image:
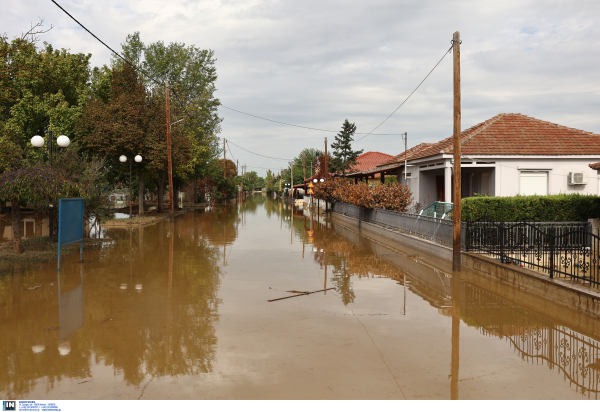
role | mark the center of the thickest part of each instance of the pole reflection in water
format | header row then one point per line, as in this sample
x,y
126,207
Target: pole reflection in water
x,y
71,306
212,335
169,291
455,334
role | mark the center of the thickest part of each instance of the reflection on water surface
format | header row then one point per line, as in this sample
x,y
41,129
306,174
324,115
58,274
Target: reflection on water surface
x,y
187,304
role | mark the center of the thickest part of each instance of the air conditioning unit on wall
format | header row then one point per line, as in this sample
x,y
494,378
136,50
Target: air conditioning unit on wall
x,y
578,178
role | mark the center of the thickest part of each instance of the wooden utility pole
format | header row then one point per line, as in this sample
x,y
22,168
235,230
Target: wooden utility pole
x,y
280,178
303,167
456,253
292,180
224,159
169,163
326,166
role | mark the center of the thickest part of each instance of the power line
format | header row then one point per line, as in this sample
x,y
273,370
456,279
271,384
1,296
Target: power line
x,y
226,107
232,156
302,127
268,157
386,119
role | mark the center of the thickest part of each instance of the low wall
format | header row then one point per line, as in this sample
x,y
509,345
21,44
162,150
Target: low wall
x,y
549,291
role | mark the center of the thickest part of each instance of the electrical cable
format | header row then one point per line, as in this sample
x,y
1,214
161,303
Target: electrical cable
x,y
386,119
281,159
303,127
226,107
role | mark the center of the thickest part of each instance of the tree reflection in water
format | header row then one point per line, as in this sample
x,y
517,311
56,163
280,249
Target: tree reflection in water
x,y
126,313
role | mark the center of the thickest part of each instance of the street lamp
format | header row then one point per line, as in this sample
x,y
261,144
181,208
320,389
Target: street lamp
x,y
62,141
123,159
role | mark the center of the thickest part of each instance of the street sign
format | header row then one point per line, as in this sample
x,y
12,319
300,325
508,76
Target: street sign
x,y
310,191
310,184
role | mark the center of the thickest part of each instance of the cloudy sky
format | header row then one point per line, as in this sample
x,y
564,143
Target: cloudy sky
x,y
316,63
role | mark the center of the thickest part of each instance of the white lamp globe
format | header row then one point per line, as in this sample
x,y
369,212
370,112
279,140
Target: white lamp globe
x,y
138,158
123,158
314,180
63,141
37,141
322,180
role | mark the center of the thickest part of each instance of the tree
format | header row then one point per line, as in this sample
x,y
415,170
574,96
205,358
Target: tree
x,y
131,122
40,90
343,155
230,167
36,186
270,182
192,74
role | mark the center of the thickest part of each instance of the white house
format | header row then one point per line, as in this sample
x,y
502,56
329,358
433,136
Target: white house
x,y
506,155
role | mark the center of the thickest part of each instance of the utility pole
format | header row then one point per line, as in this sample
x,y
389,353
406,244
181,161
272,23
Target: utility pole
x,y
326,166
169,165
303,167
292,180
456,254
280,178
405,156
224,159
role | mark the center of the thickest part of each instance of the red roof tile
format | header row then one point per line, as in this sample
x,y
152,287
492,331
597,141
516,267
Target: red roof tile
x,y
517,134
410,153
595,166
369,160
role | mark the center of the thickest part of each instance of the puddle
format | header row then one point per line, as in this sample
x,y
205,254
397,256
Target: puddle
x,y
186,310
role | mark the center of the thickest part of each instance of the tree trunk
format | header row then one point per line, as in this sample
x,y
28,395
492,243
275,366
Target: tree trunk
x,y
176,196
16,224
160,191
141,194
195,200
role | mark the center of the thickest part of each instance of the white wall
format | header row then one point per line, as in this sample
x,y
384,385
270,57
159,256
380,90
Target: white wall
x,y
508,172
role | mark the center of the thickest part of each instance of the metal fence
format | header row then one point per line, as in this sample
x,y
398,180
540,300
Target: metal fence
x,y
430,228
566,249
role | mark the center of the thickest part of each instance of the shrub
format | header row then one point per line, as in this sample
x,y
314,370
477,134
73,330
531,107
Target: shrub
x,y
392,196
553,208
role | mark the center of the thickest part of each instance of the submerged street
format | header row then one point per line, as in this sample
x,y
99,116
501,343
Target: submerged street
x,y
182,311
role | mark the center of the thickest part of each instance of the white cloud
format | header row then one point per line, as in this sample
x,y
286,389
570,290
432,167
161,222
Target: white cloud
x,y
317,63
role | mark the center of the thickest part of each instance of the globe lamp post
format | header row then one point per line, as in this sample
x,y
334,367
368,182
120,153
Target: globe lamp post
x,y
61,141
123,159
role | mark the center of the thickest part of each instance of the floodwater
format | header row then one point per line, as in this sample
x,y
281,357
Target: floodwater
x,y
181,312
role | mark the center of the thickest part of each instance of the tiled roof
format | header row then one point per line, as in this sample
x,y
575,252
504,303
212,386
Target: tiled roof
x,y
516,134
595,166
409,154
369,160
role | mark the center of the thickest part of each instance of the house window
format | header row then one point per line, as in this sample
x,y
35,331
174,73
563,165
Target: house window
x,y
534,183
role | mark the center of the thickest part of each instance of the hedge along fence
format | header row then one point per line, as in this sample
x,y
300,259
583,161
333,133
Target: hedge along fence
x,y
389,196
554,208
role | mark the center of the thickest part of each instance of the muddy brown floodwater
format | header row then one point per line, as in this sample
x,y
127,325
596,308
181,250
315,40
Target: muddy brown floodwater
x,y
181,312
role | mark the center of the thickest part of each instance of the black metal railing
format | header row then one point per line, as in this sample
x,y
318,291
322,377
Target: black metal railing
x,y
566,249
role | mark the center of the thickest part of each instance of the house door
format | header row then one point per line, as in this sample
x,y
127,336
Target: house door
x,y
440,189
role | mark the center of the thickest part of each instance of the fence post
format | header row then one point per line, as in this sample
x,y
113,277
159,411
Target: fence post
x,y
552,231
502,258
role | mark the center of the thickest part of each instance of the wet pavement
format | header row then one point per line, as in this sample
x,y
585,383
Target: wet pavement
x,y
181,312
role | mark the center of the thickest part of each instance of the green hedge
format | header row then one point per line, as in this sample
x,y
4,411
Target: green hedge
x,y
554,208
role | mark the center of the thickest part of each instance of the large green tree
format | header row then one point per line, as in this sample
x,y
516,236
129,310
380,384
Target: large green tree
x,y
191,74
344,158
129,123
40,90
